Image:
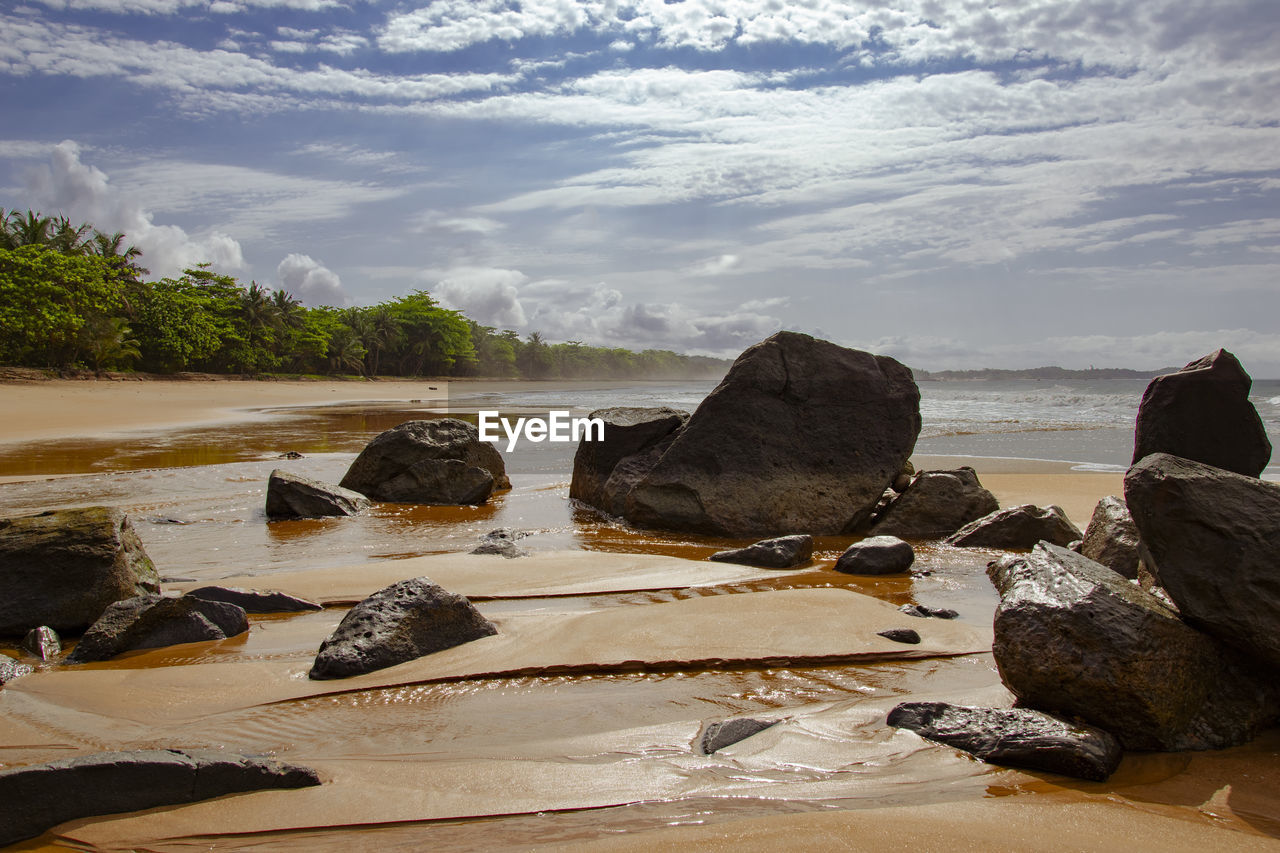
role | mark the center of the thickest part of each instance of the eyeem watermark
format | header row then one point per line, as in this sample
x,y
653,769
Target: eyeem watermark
x,y
556,426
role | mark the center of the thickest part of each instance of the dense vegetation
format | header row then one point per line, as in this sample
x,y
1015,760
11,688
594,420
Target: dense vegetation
x,y
71,296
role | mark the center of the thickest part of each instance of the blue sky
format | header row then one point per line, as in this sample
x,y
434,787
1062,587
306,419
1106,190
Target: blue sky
x,y
957,184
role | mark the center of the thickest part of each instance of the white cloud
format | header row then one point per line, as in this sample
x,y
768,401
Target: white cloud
x,y
487,295
715,266
310,281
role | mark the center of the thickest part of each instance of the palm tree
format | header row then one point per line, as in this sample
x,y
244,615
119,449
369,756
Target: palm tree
x,y
30,230
69,239
346,352
259,315
384,330
109,343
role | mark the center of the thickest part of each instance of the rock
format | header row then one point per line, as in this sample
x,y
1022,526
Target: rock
x,y
903,480
1111,538
1213,539
928,612
62,568
628,432
255,601
716,736
40,796
876,555
428,462
1017,527
1014,737
290,454
294,496
784,552
154,621
1076,639
937,504
901,635
802,435
11,669
1203,413
43,642
501,542
405,621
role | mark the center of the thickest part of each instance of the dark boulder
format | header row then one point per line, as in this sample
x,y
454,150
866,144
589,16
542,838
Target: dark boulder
x,y
876,555
628,431
62,568
441,461
802,435
1014,737
1203,413
784,552
501,542
936,504
154,621
43,642
716,736
294,496
255,600
41,796
1076,639
11,669
1213,538
1017,527
405,621
1112,539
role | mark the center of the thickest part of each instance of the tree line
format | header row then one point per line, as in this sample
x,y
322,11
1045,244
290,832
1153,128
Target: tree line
x,y
74,297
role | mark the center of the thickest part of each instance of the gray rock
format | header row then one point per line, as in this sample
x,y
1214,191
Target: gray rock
x,y
501,542
11,669
1203,413
936,504
1017,527
1111,538
716,736
440,461
154,621
255,600
910,636
1014,737
1213,538
784,552
802,435
62,568
876,555
1076,639
628,431
40,796
919,610
405,621
43,642
294,496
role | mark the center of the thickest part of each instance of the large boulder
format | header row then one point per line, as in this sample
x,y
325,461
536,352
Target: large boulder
x,y
405,621
1017,527
1076,639
1112,539
40,796
255,600
1213,538
801,436
62,568
154,621
784,552
936,504
441,461
1202,412
1014,737
876,555
291,495
628,431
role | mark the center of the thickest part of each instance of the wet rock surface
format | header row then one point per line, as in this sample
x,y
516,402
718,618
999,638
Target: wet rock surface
x,y
783,552
501,542
923,612
1017,527
439,461
255,600
291,495
1112,539
43,643
154,621
876,555
935,504
629,431
716,736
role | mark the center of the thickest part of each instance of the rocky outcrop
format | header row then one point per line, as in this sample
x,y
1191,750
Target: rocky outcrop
x,y
11,669
876,555
716,736
40,796
255,600
783,552
629,432
428,462
294,496
1014,737
1213,538
1076,639
501,542
1203,413
405,621
62,568
1112,539
154,621
802,435
43,643
1017,527
935,504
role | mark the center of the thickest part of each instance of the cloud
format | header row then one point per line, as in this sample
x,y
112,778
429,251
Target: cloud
x,y
310,281
487,295
716,266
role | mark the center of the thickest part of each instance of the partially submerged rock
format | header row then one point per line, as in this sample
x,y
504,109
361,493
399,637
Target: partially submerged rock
x,y
923,612
154,621
291,495
11,669
1203,413
716,736
1017,527
876,555
628,432
440,461
255,600
783,552
40,796
43,642
1014,737
407,620
63,567
936,504
1112,539
909,636
501,542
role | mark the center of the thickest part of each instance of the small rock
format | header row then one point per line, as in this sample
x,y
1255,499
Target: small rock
x,y
164,519
782,552
501,542
1111,538
290,454
11,669
292,496
255,601
928,612
154,621
1017,527
716,736
43,642
876,555
901,635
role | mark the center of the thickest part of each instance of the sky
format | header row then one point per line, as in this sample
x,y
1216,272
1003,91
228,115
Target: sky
x,y
957,184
